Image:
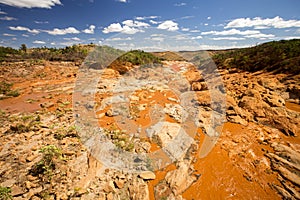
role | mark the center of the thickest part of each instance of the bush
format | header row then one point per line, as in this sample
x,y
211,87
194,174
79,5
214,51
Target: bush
x,y
5,193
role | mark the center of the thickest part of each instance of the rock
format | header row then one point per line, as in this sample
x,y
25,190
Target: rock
x,y
110,196
147,175
176,112
8,183
171,137
196,86
138,189
162,190
253,105
134,98
16,191
274,100
173,99
272,84
181,178
119,183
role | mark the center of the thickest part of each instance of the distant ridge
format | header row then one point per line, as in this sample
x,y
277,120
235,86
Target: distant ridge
x,y
277,56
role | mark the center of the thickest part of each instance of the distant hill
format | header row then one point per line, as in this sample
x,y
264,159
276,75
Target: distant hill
x,y
277,56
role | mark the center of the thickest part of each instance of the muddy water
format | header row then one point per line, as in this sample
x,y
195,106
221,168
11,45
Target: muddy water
x,y
292,106
224,178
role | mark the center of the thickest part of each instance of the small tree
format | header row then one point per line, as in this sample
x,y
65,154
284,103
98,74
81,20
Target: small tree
x,y
23,48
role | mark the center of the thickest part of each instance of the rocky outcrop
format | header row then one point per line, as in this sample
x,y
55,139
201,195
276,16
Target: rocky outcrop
x,y
180,179
256,98
286,161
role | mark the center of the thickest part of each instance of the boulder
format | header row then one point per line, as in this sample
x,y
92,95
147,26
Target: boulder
x,y
181,178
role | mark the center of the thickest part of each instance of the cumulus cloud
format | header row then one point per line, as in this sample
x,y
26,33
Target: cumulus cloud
x,y
2,13
57,31
22,28
259,23
90,30
122,1
127,27
31,3
38,42
6,18
168,25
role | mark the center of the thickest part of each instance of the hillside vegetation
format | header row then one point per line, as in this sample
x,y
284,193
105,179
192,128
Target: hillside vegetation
x,y
277,56
70,53
135,57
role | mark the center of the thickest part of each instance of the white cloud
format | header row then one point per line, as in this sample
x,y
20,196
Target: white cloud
x,y
209,17
38,42
41,22
257,22
132,23
22,28
6,18
122,1
168,25
185,29
195,31
153,22
73,38
57,31
119,39
146,17
197,37
31,3
2,13
187,17
53,43
180,4
228,38
291,37
231,32
261,36
90,30
8,35
24,35
129,27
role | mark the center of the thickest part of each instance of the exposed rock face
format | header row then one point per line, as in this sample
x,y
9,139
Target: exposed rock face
x,y
171,137
286,160
181,178
258,99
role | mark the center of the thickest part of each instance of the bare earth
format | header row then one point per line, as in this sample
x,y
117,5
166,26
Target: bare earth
x,y
257,155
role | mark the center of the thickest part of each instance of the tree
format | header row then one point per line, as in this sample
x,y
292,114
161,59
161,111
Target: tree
x,y
23,48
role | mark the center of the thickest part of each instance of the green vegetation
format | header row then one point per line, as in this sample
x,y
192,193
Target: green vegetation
x,y
72,53
5,89
120,139
46,166
276,56
5,193
135,57
139,57
24,124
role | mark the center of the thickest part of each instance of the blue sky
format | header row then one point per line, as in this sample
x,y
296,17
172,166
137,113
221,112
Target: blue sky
x,y
215,24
